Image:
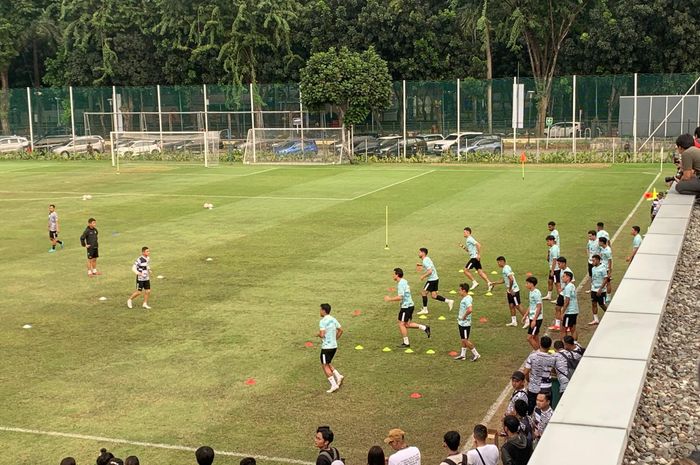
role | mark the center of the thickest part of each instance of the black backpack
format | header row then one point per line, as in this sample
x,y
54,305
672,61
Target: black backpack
x,y
571,362
331,455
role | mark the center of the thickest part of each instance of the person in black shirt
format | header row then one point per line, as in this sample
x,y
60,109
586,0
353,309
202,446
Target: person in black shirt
x,y
323,439
89,240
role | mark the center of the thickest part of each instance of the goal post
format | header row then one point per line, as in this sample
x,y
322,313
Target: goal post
x,y
295,146
195,147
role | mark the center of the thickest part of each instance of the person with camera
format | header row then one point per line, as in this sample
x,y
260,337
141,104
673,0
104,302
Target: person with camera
x,y
688,182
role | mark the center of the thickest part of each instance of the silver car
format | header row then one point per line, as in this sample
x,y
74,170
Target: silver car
x,y
13,144
81,144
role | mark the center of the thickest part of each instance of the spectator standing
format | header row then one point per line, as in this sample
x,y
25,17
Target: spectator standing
x,y
482,453
326,453
515,451
204,455
89,240
405,454
375,456
451,441
525,420
543,413
538,372
517,380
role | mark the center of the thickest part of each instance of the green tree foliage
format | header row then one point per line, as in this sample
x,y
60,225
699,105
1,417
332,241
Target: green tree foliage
x,y
105,42
356,83
15,18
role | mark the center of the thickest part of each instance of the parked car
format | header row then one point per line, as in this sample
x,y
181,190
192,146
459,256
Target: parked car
x,y
486,144
430,140
294,147
139,146
562,129
81,144
48,143
367,146
394,147
444,145
13,144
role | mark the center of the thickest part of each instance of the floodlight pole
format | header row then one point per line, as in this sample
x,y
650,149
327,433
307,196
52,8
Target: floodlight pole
x,y
301,127
31,127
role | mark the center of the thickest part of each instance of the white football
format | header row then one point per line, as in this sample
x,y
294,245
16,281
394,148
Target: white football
x,y
89,197
85,197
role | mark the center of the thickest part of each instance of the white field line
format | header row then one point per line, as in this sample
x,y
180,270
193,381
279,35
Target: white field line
x,y
497,404
128,194
392,185
154,445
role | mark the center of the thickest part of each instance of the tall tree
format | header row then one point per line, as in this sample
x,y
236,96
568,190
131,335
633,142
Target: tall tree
x,y
543,26
354,83
105,42
15,18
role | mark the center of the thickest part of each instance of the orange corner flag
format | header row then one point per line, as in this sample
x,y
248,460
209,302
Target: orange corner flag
x,y
523,158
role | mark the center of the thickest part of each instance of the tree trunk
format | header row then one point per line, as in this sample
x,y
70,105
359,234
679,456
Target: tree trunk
x,y
4,99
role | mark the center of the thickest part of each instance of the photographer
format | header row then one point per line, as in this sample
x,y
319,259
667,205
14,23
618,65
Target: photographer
x,y
688,182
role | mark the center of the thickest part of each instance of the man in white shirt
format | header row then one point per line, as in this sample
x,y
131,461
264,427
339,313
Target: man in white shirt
x,y
405,454
482,453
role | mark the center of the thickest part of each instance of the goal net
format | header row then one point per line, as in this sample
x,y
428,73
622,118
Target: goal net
x,y
196,147
294,145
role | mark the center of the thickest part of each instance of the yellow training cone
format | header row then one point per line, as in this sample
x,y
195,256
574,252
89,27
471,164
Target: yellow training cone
x,y
489,294
453,291
423,317
386,349
408,351
441,318
358,347
471,293
430,352
494,272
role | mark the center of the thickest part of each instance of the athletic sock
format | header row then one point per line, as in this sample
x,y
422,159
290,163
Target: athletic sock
x,y
425,301
463,353
331,379
440,298
94,271
557,322
513,320
474,283
475,352
53,247
595,317
421,327
336,374
405,341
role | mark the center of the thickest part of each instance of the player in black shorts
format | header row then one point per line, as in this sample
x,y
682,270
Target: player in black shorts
x,y
142,270
512,291
89,240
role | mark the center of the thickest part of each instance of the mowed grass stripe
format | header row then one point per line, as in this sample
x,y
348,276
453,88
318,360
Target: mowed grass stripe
x,y
195,358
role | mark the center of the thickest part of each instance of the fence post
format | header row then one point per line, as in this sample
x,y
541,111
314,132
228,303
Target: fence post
x,y
301,127
634,118
573,119
160,118
72,115
459,117
31,127
405,110
252,118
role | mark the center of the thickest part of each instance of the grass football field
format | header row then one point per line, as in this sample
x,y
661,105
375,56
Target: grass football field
x,y
282,240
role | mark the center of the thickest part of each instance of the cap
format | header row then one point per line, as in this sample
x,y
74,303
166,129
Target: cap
x,y
518,376
394,435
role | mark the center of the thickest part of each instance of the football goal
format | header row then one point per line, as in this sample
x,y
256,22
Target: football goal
x,y
196,147
294,146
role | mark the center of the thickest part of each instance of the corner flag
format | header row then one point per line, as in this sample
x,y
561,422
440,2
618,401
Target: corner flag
x,y
523,159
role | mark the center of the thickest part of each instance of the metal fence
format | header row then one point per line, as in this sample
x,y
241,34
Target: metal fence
x,y
595,103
